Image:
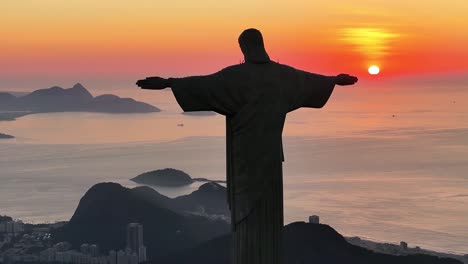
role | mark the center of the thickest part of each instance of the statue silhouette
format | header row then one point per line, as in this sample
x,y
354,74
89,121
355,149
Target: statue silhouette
x,y
255,97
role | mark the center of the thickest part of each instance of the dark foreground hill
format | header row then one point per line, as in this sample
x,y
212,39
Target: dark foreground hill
x,y
75,99
303,243
174,235
105,210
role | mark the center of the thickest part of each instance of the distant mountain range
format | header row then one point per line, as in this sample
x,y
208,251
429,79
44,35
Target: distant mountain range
x,y
75,99
174,235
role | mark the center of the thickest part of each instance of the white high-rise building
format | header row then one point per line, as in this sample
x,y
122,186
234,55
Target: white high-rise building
x,y
134,236
142,254
135,241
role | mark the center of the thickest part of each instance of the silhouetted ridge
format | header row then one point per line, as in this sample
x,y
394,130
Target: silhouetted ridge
x,y
317,243
303,243
5,218
78,86
106,98
79,90
212,187
106,208
6,98
153,196
115,104
210,200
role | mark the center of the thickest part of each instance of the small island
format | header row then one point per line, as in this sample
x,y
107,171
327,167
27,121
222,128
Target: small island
x,y
200,113
168,177
5,136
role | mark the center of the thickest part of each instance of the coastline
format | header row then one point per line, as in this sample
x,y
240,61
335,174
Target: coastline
x,y
384,247
403,249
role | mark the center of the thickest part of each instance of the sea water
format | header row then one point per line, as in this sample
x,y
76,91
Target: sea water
x,y
386,165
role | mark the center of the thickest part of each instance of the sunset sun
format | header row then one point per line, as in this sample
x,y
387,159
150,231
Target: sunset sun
x,y
374,70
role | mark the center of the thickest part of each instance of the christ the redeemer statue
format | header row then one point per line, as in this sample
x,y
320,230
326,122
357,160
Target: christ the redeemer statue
x,y
255,97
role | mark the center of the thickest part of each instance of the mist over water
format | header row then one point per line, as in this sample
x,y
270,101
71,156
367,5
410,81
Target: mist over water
x,y
385,164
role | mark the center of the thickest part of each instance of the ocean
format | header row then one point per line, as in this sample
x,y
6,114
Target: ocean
x,y
386,164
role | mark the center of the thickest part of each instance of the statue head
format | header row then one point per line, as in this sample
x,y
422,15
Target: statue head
x,y
251,44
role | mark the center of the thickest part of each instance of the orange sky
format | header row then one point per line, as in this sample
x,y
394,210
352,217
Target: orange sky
x,y
48,40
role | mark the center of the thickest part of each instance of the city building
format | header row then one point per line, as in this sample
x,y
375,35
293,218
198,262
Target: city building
x,y
134,236
48,255
135,241
84,249
122,257
112,257
62,252
142,254
62,246
133,259
314,219
403,245
12,227
94,250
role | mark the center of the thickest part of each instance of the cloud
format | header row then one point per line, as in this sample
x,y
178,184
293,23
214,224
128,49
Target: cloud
x,y
374,43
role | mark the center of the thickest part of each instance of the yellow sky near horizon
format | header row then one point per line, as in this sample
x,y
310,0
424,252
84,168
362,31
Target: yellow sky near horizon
x,y
105,38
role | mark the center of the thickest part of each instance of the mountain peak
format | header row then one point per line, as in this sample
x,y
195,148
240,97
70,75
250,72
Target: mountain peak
x,y
79,90
78,86
105,210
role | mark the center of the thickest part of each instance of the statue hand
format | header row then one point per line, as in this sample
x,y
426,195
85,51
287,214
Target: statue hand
x,y
153,83
345,79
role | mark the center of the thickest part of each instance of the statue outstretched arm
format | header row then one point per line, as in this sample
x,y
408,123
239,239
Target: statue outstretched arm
x,y
154,83
345,79
313,90
196,93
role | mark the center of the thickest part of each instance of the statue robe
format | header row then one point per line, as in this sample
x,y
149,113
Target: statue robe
x,y
255,98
